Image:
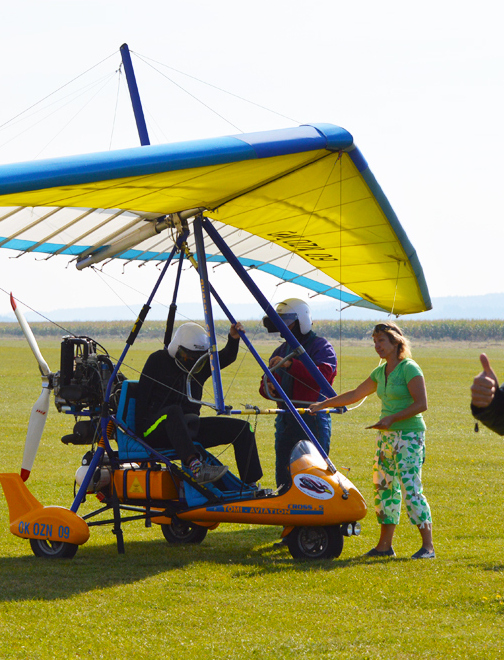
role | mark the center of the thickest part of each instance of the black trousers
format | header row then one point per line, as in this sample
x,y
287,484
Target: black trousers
x,y
179,432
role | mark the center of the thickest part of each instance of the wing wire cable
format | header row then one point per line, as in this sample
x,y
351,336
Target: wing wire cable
x,y
144,58
57,90
391,313
119,71
75,115
192,96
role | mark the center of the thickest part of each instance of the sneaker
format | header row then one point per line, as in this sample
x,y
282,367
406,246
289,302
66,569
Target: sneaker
x,y
207,474
424,554
380,553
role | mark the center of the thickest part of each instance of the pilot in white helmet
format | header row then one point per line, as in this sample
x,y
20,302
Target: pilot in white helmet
x,y
166,418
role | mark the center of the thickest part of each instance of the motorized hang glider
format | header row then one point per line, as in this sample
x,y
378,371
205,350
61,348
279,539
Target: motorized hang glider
x,y
300,204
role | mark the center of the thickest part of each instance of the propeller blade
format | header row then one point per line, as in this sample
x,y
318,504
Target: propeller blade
x,y
36,425
30,338
39,411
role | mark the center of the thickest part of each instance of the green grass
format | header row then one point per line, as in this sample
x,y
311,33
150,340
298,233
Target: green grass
x,y
235,596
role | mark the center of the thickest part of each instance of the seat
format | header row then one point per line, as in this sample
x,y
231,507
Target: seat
x,y
129,447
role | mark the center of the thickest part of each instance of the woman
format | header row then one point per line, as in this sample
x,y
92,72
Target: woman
x,y
400,444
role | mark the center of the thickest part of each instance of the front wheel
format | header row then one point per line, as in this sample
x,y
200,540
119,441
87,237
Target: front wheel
x,y
315,542
179,531
53,549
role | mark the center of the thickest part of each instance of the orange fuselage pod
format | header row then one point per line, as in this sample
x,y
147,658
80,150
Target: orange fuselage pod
x,y
316,497
31,520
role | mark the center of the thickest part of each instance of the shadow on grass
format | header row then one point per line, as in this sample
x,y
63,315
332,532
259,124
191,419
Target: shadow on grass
x,y
249,553
496,568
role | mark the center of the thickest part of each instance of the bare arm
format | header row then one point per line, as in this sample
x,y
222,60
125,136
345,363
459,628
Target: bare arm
x,y
416,388
364,389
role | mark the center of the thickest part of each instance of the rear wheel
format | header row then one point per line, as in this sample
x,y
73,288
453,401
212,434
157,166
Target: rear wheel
x,y
53,549
315,542
180,531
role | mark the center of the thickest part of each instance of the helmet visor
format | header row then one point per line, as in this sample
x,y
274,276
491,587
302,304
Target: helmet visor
x,y
286,318
188,358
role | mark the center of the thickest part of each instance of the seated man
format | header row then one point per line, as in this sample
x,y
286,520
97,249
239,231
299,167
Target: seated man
x,y
298,383
166,418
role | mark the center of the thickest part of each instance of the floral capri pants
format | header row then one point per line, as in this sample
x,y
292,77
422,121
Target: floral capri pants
x,y
398,467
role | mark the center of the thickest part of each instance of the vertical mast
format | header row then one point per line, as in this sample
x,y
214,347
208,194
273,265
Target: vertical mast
x,y
135,96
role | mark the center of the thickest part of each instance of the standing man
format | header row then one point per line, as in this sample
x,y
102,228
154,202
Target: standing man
x,y
298,383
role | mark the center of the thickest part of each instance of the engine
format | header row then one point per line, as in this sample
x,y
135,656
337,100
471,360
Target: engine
x,y
80,385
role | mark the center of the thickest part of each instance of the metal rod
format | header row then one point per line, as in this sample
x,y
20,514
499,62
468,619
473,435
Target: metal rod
x,y
207,309
135,96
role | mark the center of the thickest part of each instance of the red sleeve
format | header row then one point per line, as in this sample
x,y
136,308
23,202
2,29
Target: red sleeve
x,y
306,387
299,371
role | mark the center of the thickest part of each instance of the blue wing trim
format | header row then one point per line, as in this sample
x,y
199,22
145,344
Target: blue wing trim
x,y
131,255
141,161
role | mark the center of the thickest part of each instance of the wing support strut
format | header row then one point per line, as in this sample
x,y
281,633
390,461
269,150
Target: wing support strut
x,y
258,295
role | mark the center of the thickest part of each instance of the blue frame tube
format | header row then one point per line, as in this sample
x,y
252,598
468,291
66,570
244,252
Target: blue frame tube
x,y
207,309
105,417
135,96
325,388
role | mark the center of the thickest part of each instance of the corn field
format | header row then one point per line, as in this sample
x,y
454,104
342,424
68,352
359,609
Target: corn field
x,y
455,330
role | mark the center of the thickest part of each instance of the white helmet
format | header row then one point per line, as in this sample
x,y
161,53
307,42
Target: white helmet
x,y
293,309
189,343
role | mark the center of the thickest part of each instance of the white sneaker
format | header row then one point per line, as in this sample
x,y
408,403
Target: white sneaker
x,y
210,473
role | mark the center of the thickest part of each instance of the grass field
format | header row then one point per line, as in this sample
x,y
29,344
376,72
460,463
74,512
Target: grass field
x,y
235,596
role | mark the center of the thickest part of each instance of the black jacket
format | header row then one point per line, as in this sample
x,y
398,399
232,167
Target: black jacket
x,y
163,383
493,415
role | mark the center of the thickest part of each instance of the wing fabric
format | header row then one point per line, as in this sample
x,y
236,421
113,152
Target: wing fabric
x,y
300,204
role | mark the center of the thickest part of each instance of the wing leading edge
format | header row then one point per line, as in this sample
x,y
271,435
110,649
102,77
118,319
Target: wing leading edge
x,y
298,203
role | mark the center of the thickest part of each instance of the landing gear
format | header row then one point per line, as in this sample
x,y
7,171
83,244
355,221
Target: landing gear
x,y
179,531
315,542
53,549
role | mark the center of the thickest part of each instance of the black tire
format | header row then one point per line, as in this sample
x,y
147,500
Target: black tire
x,y
315,542
180,531
53,549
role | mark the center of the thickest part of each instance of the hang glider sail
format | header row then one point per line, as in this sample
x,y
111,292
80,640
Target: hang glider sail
x,y
300,204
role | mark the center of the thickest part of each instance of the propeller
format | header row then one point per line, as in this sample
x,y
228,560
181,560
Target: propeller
x,y
40,409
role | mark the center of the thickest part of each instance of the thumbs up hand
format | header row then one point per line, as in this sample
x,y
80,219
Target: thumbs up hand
x,y
484,385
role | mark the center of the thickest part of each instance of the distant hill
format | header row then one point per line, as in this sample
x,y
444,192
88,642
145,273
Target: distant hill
x,y
489,306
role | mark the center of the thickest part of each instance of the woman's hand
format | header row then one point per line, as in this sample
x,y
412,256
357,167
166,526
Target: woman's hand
x,y
315,407
384,424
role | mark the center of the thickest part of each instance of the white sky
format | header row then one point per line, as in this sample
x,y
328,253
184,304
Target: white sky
x,y
418,85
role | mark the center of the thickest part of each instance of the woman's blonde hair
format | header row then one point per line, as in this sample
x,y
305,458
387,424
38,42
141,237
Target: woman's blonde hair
x,y
394,333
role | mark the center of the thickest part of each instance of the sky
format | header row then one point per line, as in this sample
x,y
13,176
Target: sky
x,y
419,86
